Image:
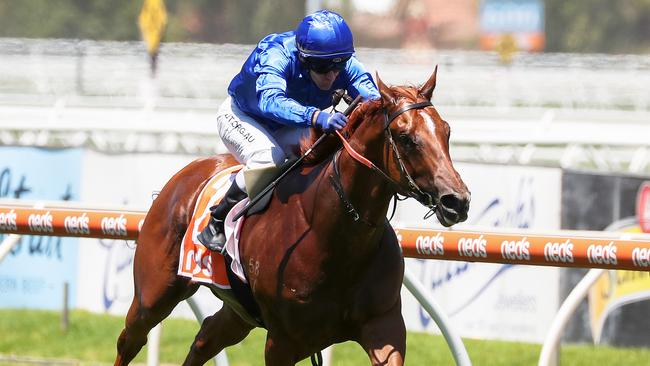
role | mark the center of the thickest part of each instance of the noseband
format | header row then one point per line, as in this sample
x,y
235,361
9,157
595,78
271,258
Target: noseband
x,y
413,190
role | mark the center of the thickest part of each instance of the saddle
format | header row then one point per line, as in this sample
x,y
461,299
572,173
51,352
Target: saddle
x,y
224,274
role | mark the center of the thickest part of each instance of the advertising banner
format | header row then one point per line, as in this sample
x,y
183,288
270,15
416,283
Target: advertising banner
x,y
517,21
617,308
34,273
492,301
615,289
612,291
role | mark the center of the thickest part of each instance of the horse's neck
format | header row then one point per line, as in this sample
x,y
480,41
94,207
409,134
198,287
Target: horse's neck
x,y
366,190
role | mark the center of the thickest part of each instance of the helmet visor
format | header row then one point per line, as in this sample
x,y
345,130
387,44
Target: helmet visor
x,y
324,65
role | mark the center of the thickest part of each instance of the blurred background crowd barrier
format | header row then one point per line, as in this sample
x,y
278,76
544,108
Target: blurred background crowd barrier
x,y
537,109
199,74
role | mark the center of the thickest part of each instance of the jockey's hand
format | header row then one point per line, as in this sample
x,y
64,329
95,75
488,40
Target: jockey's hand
x,y
331,121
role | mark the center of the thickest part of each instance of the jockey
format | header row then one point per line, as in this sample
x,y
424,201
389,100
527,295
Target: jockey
x,y
279,94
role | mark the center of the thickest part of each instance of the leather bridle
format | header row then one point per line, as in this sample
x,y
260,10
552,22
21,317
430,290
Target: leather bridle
x,y
412,189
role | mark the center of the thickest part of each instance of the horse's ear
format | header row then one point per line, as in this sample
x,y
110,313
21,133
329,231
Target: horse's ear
x,y
387,95
427,88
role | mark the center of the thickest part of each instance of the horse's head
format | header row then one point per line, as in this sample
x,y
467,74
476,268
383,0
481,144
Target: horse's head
x,y
418,156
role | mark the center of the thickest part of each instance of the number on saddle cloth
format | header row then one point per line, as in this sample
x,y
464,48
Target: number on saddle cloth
x,y
258,179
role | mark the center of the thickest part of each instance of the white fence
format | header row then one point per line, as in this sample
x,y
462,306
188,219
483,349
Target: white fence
x,y
203,71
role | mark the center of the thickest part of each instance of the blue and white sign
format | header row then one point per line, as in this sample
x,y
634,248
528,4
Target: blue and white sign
x,y
33,274
489,300
512,16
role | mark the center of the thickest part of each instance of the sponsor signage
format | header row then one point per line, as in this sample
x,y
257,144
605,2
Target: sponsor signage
x,y
613,290
643,207
70,222
416,243
33,273
617,288
152,22
484,300
525,249
488,300
521,21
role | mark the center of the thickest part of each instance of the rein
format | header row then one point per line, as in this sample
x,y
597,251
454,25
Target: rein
x,y
413,189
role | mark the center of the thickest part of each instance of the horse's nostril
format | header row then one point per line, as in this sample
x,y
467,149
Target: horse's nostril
x,y
453,202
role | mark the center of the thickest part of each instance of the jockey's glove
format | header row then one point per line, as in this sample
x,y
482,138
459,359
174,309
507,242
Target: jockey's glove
x,y
331,121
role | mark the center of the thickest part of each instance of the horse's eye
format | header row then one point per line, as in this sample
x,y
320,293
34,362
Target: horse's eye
x,y
406,141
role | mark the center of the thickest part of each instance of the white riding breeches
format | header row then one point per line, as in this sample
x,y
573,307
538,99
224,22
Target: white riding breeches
x,y
252,144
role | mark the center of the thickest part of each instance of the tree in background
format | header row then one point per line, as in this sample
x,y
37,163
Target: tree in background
x,y
217,21
619,26
84,19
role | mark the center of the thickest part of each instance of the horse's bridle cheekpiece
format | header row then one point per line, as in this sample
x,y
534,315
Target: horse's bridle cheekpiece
x,y
413,189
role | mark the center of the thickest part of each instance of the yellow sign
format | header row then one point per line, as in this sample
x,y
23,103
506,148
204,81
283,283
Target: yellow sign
x,y
506,48
152,22
613,290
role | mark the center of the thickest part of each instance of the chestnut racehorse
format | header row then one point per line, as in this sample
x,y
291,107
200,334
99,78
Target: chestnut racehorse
x,y
323,263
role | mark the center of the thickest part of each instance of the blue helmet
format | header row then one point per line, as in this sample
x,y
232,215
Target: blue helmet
x,y
324,34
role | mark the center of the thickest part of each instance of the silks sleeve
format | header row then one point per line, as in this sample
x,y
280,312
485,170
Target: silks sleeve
x,y
271,89
360,81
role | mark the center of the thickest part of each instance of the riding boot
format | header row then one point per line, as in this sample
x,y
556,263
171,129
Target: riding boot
x,y
213,236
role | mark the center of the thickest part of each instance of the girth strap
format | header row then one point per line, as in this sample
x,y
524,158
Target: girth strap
x,y
243,293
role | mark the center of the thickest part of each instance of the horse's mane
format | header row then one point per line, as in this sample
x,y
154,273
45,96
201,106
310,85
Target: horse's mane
x,y
332,142
365,111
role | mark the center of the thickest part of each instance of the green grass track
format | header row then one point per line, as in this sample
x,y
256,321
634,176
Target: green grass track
x,y
90,340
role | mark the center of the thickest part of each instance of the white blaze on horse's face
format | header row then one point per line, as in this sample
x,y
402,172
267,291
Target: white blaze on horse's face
x,y
429,123
422,137
427,149
437,175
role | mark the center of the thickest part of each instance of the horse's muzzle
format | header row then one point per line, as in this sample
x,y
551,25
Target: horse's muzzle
x,y
452,208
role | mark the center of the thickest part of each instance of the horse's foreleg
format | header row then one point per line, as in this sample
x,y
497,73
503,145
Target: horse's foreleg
x,y
279,351
384,338
217,332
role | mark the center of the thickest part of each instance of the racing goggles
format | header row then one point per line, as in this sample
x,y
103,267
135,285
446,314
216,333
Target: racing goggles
x,y
325,65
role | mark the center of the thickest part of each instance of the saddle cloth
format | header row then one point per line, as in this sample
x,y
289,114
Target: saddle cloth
x,y
196,261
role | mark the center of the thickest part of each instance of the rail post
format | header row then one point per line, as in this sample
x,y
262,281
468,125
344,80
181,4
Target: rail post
x,y
552,342
153,345
8,244
454,341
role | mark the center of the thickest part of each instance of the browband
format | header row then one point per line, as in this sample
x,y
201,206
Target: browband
x,y
407,107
